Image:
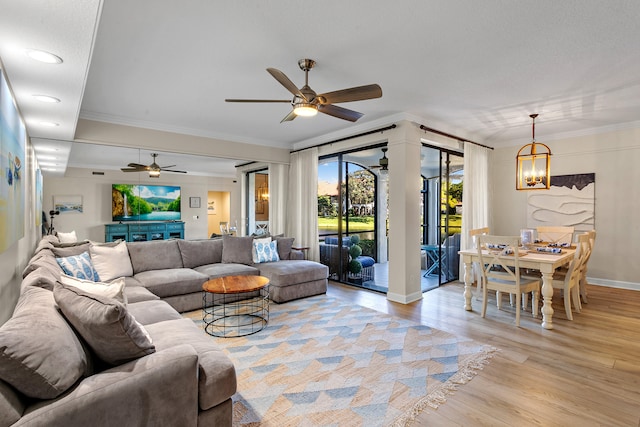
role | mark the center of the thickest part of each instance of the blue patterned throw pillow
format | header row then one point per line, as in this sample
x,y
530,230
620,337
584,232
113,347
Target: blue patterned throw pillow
x,y
79,266
266,251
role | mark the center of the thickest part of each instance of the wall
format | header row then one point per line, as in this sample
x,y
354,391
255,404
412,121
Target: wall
x,y
96,193
614,157
222,210
15,258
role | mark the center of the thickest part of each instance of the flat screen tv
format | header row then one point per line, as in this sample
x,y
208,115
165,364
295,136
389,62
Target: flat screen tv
x,y
145,202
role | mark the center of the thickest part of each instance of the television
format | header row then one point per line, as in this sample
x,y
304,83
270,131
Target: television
x,y
145,202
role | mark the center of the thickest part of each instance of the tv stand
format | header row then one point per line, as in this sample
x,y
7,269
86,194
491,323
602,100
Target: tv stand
x,y
143,231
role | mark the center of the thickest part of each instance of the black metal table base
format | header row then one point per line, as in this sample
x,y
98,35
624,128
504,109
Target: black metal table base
x,y
234,315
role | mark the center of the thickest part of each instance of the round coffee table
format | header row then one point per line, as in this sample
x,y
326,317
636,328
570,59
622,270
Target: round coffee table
x,y
235,306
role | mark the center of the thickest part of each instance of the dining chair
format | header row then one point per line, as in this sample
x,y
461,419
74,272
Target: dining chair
x,y
569,280
224,227
507,278
583,278
555,234
475,267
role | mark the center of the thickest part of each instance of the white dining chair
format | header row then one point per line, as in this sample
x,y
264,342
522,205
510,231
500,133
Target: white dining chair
x,y
569,280
224,227
555,234
583,278
507,278
475,267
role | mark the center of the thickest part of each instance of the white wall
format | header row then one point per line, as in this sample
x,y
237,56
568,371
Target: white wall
x,y
96,196
614,157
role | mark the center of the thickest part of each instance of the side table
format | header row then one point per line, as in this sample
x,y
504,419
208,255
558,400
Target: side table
x,y
235,306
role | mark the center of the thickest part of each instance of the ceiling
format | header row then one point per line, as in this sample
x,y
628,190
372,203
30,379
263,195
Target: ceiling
x,y
473,69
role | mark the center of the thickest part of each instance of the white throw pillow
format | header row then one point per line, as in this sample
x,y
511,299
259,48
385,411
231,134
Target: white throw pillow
x,y
263,241
113,289
111,262
67,237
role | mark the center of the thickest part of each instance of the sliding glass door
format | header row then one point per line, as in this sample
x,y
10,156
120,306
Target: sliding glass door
x,y
348,215
441,213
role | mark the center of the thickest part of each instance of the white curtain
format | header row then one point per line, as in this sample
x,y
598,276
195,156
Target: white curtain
x,y
302,218
475,196
278,191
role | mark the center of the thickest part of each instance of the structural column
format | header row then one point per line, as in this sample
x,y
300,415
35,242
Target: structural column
x,y
404,213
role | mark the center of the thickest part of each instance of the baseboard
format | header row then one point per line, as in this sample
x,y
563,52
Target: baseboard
x,y
614,283
404,299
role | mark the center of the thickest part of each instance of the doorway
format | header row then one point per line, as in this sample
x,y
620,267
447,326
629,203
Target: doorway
x,y
257,202
442,172
348,215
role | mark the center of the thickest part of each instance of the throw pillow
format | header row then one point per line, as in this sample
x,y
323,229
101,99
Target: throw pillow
x,y
261,241
40,354
237,249
79,266
67,237
113,289
104,323
111,262
267,252
284,246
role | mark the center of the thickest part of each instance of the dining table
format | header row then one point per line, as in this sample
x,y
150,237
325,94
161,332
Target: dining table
x,y
545,262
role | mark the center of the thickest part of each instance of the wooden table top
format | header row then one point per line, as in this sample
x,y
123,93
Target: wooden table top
x,y
235,284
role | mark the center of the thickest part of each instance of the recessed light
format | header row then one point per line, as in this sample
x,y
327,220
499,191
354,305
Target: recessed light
x,y
49,124
42,56
46,98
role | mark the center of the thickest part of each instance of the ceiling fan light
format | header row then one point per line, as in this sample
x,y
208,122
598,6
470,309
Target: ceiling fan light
x,y
305,109
154,174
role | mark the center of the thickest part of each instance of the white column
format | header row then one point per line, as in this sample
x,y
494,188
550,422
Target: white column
x,y
404,214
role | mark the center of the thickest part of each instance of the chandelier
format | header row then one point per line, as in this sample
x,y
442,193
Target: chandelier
x,y
533,164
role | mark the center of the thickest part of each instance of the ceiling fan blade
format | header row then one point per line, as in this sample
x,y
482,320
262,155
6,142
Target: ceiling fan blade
x,y
359,93
339,112
168,166
137,166
131,170
258,100
169,170
284,81
289,117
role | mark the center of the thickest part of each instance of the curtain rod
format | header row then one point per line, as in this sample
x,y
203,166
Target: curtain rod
x,y
346,138
448,135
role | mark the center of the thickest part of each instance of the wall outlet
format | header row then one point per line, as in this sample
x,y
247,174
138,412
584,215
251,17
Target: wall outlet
x,y
196,217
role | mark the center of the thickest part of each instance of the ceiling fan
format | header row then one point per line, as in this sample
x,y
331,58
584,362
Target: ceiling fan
x,y
383,162
153,169
306,102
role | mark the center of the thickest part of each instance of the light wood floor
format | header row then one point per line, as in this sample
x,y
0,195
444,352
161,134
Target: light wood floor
x,y
584,372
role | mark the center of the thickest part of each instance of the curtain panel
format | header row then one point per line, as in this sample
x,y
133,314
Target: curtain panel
x,y
302,218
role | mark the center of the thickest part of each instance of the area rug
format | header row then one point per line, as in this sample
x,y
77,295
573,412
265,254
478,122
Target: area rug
x,y
321,362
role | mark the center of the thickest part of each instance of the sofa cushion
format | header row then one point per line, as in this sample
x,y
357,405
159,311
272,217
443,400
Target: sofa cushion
x,y
217,377
174,281
113,289
148,312
111,262
213,271
237,250
79,266
200,252
40,355
284,246
154,255
44,259
139,293
293,272
70,250
104,323
42,278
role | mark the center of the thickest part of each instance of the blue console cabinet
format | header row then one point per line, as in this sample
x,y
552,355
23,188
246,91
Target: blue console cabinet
x,y
143,231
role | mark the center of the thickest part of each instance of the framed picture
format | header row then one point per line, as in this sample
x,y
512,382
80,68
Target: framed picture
x,y
211,207
194,202
67,204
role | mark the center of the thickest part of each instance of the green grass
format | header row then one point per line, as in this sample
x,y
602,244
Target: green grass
x,y
356,224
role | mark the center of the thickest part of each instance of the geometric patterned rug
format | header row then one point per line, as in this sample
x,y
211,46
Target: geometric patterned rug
x,y
323,362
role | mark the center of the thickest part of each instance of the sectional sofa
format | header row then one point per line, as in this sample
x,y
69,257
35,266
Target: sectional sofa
x,y
75,358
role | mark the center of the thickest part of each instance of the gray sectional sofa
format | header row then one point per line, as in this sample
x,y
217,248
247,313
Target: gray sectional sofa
x,y
72,358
